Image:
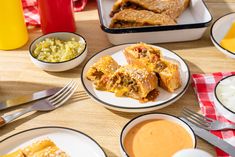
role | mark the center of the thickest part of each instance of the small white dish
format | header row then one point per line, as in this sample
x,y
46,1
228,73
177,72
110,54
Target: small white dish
x,y
126,104
73,142
220,107
153,116
191,25
192,153
219,29
59,66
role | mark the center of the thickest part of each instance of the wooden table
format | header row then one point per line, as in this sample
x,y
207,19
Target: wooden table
x,y
18,76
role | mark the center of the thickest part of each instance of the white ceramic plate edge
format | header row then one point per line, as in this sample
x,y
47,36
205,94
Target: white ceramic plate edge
x,y
53,127
216,44
220,107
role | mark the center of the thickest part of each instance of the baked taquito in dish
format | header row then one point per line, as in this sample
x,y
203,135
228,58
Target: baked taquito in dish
x,y
136,18
100,71
151,58
137,83
172,8
43,148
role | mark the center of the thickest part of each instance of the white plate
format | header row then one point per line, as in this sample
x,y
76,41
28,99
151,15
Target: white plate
x,y
73,142
125,104
192,153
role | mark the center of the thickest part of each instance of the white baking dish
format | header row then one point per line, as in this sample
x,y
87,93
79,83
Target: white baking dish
x,y
191,26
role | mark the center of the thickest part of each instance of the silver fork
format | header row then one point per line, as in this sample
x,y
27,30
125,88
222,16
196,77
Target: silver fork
x,y
48,104
205,122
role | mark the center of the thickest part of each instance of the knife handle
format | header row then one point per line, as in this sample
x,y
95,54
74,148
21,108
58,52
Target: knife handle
x,y
2,121
5,119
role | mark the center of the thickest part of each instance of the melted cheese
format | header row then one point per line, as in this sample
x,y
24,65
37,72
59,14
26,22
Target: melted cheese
x,y
121,91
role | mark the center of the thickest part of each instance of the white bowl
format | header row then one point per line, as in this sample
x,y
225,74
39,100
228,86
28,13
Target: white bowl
x,y
153,116
219,29
59,66
220,107
192,153
191,25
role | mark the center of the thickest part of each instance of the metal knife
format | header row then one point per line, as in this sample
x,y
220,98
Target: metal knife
x,y
27,98
212,139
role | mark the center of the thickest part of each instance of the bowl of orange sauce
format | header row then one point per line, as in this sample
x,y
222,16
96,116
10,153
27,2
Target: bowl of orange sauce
x,y
156,135
222,34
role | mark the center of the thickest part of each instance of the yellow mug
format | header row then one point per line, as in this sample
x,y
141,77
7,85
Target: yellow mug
x,y
13,30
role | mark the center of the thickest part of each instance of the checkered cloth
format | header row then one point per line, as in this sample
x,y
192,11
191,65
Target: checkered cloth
x,y
31,11
203,85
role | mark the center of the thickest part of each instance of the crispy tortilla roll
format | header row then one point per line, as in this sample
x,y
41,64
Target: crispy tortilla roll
x,y
169,76
101,70
137,18
106,65
43,148
172,8
17,153
144,55
37,146
49,152
135,83
116,7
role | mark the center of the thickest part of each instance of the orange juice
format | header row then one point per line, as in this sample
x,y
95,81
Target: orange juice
x,y
13,31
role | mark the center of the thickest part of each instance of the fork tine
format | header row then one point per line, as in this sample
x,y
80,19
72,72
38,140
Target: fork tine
x,y
196,119
193,122
63,94
66,96
60,91
198,115
193,114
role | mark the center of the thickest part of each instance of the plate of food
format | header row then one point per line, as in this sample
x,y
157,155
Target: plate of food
x,y
50,141
135,77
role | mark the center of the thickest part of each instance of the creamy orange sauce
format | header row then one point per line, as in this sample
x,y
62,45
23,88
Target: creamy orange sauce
x,y
156,138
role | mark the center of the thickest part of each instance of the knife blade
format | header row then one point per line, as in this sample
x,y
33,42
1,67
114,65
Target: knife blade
x,y
27,98
212,139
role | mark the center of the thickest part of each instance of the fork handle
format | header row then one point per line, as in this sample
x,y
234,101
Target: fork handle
x,y
10,117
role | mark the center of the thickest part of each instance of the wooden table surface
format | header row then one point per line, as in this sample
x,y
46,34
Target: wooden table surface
x,y
18,76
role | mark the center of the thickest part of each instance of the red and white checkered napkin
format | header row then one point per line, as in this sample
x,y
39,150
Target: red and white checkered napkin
x,y
31,11
203,85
